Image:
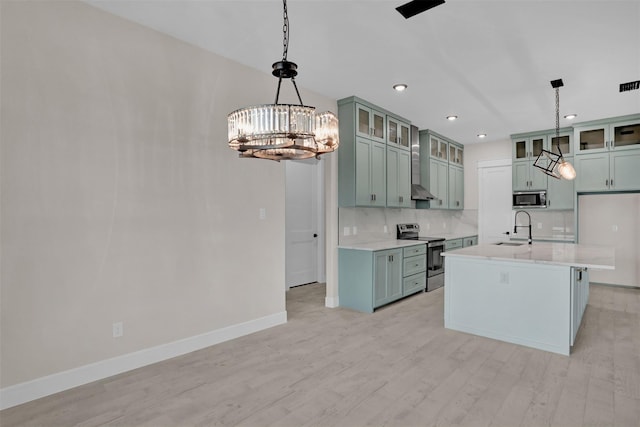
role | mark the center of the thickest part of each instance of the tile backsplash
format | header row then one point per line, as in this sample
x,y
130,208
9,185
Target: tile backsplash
x,y
359,225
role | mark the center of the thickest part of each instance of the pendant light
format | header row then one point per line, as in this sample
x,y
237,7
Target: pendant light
x,y
283,131
554,164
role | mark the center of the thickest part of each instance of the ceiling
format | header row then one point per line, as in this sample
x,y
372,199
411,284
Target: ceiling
x,y
488,62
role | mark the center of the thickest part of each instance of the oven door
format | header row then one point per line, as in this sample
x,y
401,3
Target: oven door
x,y
435,261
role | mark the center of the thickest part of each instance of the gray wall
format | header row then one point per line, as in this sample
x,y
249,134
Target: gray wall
x,y
119,194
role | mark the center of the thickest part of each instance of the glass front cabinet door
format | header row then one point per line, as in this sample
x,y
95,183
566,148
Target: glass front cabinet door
x,y
371,123
397,132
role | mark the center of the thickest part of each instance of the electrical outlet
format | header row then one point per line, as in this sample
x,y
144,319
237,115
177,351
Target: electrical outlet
x,y
385,229
262,213
539,226
118,329
354,230
504,277
614,228
346,231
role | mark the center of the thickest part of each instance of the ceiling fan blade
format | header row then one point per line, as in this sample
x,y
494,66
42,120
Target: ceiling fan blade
x,y
417,6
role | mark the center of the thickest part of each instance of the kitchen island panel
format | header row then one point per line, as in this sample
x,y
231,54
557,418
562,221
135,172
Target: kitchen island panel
x,y
510,301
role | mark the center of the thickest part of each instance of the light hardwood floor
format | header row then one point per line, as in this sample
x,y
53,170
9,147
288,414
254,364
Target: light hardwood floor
x,y
396,367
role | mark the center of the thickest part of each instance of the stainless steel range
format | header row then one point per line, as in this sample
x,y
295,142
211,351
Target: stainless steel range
x,y
435,247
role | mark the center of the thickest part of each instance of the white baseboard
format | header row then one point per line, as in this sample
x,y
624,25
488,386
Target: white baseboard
x,y
44,386
331,302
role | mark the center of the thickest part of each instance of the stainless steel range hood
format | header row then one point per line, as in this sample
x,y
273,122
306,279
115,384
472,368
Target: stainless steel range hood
x,y
418,192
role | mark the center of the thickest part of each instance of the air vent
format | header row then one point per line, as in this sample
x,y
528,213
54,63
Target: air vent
x,y
417,6
629,86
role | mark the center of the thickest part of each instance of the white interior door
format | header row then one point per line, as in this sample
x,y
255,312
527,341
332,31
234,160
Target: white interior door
x,y
494,201
303,231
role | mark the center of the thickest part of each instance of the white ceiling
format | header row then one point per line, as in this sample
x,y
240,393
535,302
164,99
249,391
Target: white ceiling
x,y
489,62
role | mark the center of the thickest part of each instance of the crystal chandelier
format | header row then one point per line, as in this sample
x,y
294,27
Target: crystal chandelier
x,y
283,131
554,164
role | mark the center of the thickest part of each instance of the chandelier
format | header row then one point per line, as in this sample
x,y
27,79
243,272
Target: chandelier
x,y
283,131
554,164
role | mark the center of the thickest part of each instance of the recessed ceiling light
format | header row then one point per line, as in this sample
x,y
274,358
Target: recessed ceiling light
x,y
400,87
570,116
482,135
452,118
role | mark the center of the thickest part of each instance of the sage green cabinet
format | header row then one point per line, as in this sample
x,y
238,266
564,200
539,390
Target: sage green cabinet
x,y
374,161
398,178
561,192
414,269
608,171
444,169
438,184
398,132
469,241
622,133
370,170
608,155
439,148
370,279
456,188
371,123
387,279
456,155
452,244
527,177
528,147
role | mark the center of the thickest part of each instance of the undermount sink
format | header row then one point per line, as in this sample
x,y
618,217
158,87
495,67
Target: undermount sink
x,y
509,244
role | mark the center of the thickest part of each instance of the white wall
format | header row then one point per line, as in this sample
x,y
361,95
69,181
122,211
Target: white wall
x,y
119,194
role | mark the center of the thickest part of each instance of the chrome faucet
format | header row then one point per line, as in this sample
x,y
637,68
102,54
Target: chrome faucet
x,y
515,225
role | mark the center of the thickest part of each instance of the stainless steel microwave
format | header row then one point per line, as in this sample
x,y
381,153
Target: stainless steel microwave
x,y
530,199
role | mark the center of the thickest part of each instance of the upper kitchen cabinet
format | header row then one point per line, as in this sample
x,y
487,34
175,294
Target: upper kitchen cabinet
x,y
398,177
527,147
438,148
608,155
622,133
371,123
398,133
371,171
562,143
444,167
456,153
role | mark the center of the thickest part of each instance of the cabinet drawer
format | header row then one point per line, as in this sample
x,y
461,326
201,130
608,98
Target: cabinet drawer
x,y
414,283
452,244
414,250
414,264
469,241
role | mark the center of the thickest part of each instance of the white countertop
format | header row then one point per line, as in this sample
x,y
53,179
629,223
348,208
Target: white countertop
x,y
569,254
381,245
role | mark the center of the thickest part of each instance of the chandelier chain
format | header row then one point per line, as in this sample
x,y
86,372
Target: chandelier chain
x,y
285,30
557,112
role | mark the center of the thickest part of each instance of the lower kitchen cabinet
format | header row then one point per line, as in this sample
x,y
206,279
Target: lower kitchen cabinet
x,y
370,279
387,276
469,241
452,244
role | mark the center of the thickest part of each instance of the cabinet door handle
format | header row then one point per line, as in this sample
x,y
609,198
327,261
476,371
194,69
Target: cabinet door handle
x,y
606,182
612,182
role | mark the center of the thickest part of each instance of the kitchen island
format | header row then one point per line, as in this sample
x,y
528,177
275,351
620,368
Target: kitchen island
x,y
532,295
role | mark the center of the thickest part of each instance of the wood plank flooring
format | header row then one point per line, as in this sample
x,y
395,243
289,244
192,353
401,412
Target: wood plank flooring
x,y
395,367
